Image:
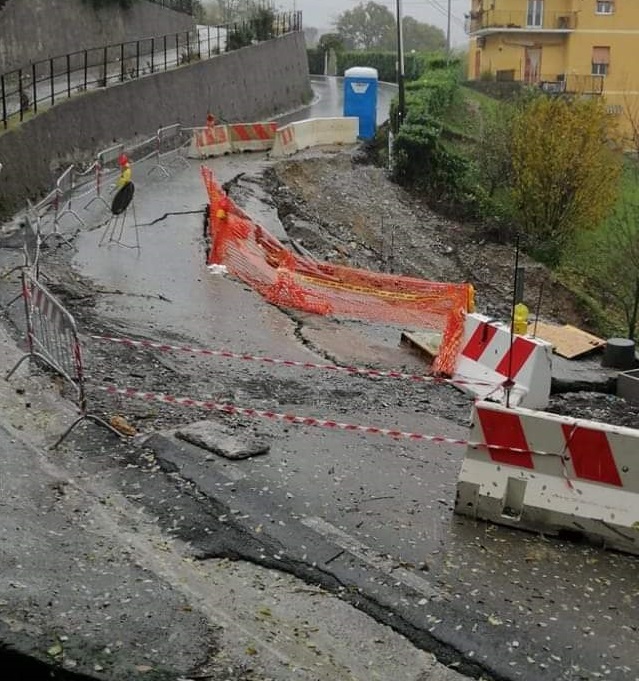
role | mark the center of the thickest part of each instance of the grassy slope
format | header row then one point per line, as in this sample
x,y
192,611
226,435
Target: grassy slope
x,y
463,126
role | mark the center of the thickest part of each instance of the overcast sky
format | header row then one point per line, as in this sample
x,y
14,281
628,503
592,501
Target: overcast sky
x,y
322,13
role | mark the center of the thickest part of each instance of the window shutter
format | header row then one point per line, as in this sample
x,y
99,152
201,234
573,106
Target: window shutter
x,y
601,55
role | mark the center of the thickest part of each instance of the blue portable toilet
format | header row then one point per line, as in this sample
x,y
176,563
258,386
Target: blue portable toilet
x,y
360,98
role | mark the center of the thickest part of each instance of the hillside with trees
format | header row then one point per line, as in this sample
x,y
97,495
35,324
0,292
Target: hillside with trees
x,y
541,170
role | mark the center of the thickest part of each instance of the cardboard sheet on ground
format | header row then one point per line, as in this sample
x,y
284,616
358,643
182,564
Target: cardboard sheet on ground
x,y
426,342
567,341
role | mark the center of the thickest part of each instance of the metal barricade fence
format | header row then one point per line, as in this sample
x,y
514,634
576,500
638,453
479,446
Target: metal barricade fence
x,y
105,166
53,339
143,150
30,248
85,181
171,141
65,187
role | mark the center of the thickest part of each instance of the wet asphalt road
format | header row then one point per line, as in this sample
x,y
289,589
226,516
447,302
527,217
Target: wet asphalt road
x,y
522,606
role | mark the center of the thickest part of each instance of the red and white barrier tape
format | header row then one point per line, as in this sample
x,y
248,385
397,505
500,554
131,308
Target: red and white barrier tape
x,y
274,416
308,420
353,371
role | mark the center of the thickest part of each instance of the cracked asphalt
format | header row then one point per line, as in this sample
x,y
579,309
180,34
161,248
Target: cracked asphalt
x,y
365,519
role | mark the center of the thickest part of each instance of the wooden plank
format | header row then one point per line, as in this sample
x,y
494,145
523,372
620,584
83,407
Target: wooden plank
x,y
568,341
425,342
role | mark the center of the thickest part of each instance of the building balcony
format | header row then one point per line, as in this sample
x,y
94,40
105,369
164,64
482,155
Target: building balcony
x,y
556,84
485,22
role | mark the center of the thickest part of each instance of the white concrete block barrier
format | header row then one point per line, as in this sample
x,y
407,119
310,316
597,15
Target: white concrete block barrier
x,y
486,356
552,474
315,132
285,141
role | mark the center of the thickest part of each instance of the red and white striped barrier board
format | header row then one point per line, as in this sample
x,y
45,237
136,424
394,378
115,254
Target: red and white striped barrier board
x,y
275,416
252,136
227,354
487,355
210,141
285,142
552,474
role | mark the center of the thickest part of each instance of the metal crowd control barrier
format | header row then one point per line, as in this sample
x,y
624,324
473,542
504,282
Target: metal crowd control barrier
x,y
30,248
143,150
85,181
105,165
170,142
65,187
52,338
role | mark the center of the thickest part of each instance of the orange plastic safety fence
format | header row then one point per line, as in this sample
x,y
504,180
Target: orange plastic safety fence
x,y
289,280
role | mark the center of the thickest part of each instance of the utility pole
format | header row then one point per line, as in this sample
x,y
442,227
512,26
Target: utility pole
x,y
448,27
400,66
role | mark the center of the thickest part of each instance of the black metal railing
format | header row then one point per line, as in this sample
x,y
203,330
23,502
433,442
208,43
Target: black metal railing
x,y
555,84
43,83
185,6
505,20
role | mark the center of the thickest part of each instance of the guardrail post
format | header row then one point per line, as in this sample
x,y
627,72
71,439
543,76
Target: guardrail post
x,y
52,81
4,101
165,52
86,69
34,88
121,62
68,75
152,53
137,59
21,95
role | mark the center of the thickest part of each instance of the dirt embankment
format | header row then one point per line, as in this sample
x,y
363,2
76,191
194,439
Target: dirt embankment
x,y
344,210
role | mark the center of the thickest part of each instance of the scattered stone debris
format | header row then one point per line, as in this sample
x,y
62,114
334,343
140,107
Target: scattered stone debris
x,y
222,440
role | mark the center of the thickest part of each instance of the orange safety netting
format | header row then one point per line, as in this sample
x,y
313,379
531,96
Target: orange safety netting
x,y
289,280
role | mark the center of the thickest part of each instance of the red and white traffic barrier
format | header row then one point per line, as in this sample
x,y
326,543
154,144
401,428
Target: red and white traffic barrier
x,y
549,473
487,356
353,371
252,136
314,132
275,416
210,141
285,142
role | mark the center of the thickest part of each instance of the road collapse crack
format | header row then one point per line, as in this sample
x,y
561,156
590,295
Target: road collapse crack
x,y
384,596
401,620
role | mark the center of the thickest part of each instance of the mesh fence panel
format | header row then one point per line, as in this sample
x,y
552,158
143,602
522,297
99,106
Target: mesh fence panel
x,y
289,280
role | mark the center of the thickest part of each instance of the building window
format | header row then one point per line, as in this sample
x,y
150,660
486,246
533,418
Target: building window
x,y
600,61
535,14
605,7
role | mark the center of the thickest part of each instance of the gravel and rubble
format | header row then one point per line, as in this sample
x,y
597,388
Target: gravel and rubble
x,y
345,211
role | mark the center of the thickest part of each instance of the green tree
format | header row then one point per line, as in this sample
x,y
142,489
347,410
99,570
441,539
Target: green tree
x,y
311,35
606,264
565,171
421,37
331,41
366,26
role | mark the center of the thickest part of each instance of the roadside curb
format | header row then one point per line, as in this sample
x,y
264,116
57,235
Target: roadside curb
x,y
393,596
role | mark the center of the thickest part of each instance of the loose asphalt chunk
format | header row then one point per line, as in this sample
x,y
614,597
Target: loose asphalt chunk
x,y
222,441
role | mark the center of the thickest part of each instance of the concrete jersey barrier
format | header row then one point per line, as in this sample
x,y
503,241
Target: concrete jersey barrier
x,y
217,140
486,356
252,136
315,132
210,141
552,474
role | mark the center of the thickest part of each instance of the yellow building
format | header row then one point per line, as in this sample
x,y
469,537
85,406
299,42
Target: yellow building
x,y
565,46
